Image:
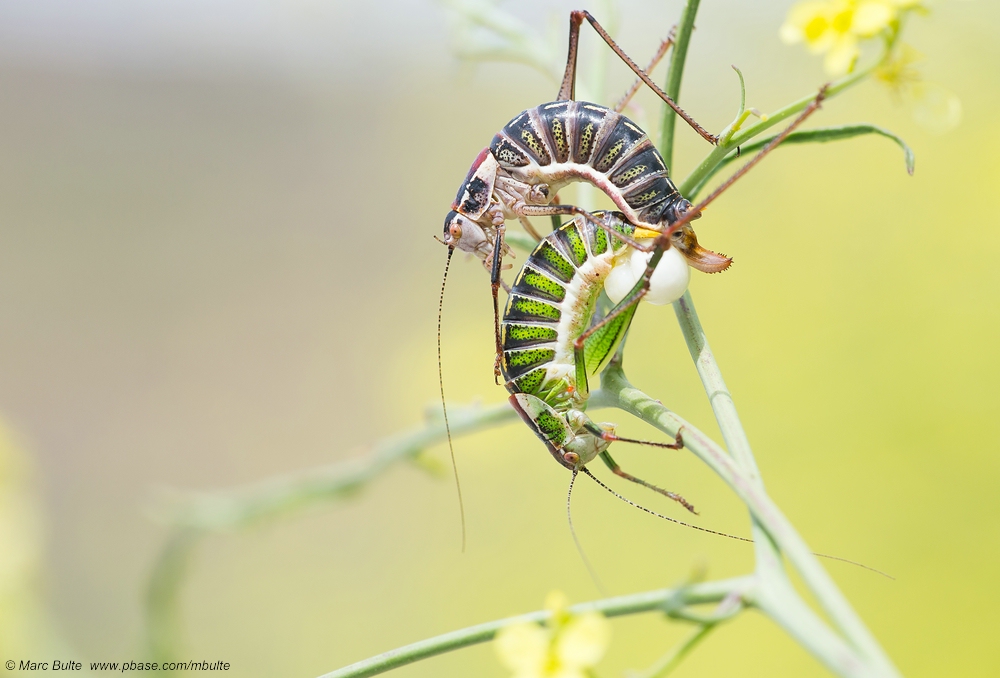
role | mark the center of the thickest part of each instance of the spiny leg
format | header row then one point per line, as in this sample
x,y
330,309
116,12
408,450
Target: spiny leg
x,y
678,443
660,53
495,282
488,265
617,470
587,473
567,90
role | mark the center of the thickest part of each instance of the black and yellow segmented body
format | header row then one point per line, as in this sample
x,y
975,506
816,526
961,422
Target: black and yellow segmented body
x,y
567,141
551,303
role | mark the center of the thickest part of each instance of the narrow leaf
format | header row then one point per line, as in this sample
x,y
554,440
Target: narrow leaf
x,y
819,135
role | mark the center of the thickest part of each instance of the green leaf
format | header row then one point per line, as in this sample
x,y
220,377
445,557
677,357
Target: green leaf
x,y
813,136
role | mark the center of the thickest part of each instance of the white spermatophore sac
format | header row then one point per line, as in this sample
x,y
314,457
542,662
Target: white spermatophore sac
x,y
668,283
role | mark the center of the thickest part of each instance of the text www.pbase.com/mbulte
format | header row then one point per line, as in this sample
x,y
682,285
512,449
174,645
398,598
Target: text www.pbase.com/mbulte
x,y
59,665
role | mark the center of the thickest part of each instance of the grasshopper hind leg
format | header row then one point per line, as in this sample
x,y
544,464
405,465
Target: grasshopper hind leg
x,y
610,437
617,470
567,89
495,282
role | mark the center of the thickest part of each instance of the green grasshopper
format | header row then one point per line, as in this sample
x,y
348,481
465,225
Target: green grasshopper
x,y
549,339
552,344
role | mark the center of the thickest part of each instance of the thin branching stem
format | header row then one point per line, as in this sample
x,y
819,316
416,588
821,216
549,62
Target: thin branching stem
x,y
863,656
192,516
243,507
675,73
666,664
163,614
740,136
649,601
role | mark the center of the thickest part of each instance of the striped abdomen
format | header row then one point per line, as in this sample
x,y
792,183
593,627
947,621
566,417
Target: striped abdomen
x,y
551,304
564,141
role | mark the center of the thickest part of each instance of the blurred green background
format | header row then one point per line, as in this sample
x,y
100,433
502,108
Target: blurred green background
x,y
216,265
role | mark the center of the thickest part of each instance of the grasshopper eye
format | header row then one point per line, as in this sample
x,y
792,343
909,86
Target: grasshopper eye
x,y
452,228
571,457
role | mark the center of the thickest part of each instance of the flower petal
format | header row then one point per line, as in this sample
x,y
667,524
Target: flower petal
x,y
806,21
567,672
523,648
791,34
841,57
871,17
556,602
584,641
842,19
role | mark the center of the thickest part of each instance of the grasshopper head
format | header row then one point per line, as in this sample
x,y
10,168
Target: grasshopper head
x,y
463,233
581,450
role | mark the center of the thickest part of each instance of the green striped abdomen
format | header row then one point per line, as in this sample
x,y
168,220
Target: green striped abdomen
x,y
552,303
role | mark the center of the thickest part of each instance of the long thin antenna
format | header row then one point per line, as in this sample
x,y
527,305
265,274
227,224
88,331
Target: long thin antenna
x,y
855,563
444,407
724,534
658,515
579,548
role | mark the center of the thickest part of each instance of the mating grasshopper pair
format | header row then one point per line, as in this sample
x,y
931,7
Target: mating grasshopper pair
x,y
548,340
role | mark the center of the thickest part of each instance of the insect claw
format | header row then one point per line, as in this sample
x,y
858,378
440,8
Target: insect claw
x,y
682,501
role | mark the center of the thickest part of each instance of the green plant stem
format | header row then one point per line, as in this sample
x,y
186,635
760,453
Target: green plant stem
x,y
715,387
245,506
863,656
728,419
193,516
665,665
649,601
675,73
163,626
775,594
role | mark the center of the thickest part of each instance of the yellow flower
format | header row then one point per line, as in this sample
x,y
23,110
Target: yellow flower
x,y
899,73
566,648
935,108
836,27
